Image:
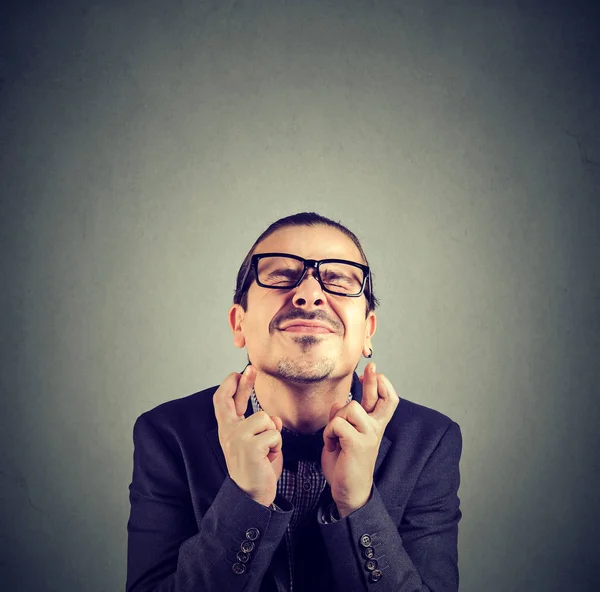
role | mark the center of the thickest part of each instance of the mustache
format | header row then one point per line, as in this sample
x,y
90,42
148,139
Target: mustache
x,y
295,315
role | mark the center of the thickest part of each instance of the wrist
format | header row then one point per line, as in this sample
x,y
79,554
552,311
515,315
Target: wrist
x,y
345,509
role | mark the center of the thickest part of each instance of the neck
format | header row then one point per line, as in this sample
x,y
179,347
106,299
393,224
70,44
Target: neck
x,y
303,408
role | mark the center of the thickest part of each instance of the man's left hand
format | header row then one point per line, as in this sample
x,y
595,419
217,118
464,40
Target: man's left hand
x,y
352,438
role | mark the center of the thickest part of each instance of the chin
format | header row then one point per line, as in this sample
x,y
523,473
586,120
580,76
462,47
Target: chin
x,y
305,371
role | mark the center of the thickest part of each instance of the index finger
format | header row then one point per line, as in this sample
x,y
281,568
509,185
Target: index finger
x,y
387,402
244,389
369,388
228,399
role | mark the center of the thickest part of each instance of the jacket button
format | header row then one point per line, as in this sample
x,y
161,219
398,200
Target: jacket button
x,y
247,546
375,575
365,540
243,557
368,553
252,534
371,565
239,568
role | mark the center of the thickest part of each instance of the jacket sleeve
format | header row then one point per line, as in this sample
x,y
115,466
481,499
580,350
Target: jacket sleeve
x,y
171,550
415,550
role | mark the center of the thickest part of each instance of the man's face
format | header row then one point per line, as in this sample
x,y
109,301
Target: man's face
x,y
304,354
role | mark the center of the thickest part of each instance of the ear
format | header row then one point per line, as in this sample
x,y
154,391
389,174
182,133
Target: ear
x,y
236,316
370,328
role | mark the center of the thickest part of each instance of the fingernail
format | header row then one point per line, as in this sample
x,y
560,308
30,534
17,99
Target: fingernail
x,y
248,371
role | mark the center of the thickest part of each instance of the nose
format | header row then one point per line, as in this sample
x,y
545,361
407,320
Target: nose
x,y
309,291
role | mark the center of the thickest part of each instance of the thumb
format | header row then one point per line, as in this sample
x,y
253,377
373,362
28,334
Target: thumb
x,y
334,409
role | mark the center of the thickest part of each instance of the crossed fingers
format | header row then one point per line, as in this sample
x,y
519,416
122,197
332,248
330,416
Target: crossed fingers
x,y
379,398
231,398
369,418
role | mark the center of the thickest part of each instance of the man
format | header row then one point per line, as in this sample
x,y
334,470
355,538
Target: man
x,y
297,475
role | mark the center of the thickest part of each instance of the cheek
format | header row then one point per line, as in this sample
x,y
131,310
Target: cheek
x,y
354,328
256,330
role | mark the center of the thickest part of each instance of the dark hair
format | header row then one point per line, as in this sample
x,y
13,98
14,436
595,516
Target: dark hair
x,y
300,219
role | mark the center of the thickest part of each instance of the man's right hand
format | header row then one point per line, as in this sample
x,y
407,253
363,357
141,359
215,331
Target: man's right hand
x,y
252,446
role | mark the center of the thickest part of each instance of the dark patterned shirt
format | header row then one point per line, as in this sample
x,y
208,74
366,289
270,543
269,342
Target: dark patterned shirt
x,y
302,488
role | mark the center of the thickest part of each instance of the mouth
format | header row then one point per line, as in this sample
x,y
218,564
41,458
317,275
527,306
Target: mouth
x,y
306,329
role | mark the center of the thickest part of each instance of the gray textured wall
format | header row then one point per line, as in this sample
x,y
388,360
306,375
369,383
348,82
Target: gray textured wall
x,y
145,145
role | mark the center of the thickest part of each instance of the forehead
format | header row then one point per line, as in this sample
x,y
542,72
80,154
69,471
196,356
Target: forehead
x,y
311,242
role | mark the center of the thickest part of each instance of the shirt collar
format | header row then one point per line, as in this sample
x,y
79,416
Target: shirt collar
x,y
256,404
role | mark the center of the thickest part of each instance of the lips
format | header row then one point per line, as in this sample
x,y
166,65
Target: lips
x,y
306,327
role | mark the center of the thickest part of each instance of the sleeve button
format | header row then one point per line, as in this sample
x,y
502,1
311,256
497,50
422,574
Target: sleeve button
x,y
238,568
247,546
369,553
365,540
375,575
371,565
243,557
252,534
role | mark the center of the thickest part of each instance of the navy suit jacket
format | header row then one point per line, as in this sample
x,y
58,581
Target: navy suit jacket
x,y
188,518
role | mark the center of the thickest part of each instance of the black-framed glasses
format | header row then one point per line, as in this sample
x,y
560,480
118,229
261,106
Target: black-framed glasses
x,y
282,271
